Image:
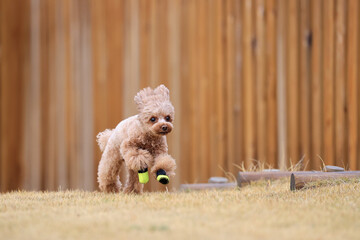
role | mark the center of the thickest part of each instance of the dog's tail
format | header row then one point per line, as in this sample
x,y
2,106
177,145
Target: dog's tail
x,y
103,137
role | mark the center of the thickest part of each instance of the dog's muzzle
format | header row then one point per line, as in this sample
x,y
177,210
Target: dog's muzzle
x,y
165,129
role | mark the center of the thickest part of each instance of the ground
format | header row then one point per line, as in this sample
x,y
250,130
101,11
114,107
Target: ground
x,y
265,210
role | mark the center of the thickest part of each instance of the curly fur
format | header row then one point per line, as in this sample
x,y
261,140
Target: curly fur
x,y
138,142
103,137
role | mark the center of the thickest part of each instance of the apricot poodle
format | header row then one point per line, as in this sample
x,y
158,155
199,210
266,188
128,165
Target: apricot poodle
x,y
139,142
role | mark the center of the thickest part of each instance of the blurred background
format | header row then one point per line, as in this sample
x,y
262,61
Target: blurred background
x,y
254,83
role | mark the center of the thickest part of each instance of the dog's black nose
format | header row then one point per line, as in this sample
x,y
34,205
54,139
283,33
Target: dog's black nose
x,y
164,128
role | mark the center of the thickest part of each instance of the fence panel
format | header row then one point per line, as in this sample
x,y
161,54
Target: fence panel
x,y
254,83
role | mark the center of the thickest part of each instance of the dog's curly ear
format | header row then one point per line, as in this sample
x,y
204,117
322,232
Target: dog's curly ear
x,y
142,97
162,91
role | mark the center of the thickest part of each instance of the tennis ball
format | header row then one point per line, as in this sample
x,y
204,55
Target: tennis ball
x,y
143,176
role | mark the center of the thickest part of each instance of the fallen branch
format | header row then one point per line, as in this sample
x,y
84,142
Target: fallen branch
x,y
298,181
244,178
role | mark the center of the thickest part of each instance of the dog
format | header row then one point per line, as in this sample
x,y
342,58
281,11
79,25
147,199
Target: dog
x,y
138,143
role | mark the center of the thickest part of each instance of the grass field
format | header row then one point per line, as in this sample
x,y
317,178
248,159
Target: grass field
x,y
261,211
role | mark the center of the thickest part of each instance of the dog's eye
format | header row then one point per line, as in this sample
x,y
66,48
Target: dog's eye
x,y
168,118
152,119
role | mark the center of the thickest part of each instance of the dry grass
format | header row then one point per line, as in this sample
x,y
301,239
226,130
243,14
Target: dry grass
x,y
260,211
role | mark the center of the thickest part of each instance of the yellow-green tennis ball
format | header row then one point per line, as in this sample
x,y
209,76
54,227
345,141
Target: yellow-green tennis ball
x,y
163,179
143,177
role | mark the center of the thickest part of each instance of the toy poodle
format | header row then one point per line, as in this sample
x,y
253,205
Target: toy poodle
x,y
139,142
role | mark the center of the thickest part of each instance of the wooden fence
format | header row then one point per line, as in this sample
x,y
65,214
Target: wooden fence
x,y
253,82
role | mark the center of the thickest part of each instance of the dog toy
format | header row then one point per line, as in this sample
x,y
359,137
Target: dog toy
x,y
143,176
162,177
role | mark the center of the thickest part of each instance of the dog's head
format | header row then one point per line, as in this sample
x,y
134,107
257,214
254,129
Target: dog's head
x,y
155,110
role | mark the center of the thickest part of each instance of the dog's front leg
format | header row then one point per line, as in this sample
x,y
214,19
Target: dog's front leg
x,y
135,158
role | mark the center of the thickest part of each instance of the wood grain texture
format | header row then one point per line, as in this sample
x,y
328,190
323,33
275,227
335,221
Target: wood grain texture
x,y
203,88
185,142
32,109
316,141
304,98
230,74
271,83
281,85
328,154
352,86
249,85
261,83
299,180
15,37
292,81
252,82
237,89
340,81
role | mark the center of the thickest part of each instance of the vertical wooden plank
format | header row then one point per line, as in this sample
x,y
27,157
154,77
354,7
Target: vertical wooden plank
x,y
114,60
186,106
212,83
60,79
328,82
316,84
44,66
292,81
14,41
271,75
352,82
131,63
73,88
230,79
144,33
51,174
203,76
248,85
210,101
304,99
193,67
162,42
68,131
86,138
281,83
154,62
340,80
237,90
218,90
261,81
81,83
32,106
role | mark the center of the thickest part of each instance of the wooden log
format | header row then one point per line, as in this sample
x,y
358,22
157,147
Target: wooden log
x,y
333,169
244,178
298,181
207,186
